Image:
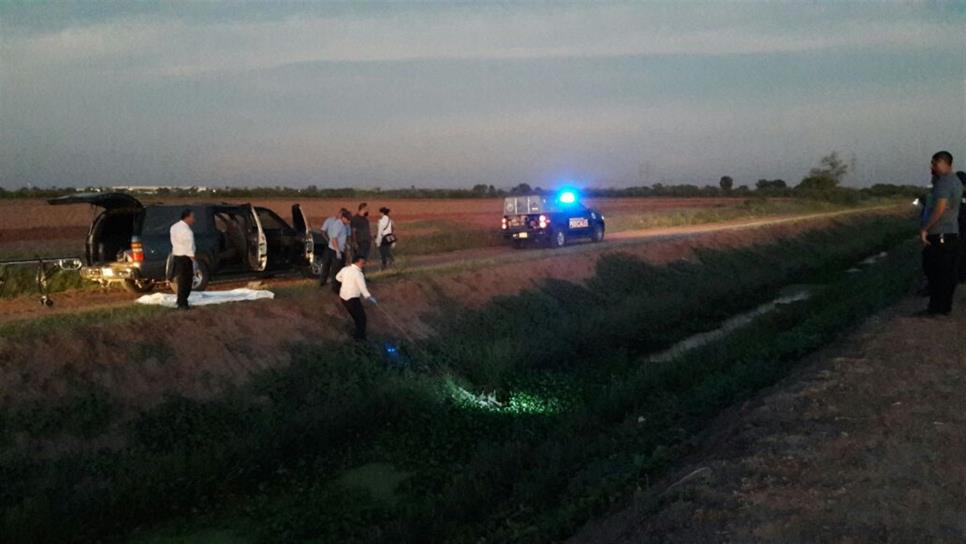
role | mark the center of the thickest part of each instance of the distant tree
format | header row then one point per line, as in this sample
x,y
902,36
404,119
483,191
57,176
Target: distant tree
x,y
826,176
771,185
521,189
479,189
726,183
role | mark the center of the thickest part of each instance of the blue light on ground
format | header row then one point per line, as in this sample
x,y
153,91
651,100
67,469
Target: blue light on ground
x,y
393,355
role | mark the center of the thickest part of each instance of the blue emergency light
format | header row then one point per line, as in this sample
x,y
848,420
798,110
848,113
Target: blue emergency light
x,y
567,197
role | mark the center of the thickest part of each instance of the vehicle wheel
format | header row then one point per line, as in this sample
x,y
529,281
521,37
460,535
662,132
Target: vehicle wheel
x,y
200,280
559,239
138,286
598,234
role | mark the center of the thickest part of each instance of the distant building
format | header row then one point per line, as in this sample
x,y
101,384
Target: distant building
x,y
155,189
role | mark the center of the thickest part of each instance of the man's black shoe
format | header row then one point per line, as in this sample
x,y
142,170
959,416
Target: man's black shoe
x,y
185,308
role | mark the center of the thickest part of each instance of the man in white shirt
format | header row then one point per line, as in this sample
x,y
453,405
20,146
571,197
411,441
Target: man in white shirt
x,y
183,253
352,291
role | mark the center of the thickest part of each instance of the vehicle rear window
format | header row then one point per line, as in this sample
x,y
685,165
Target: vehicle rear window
x,y
158,220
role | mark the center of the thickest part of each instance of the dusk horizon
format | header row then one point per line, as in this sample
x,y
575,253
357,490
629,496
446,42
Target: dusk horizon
x,y
450,96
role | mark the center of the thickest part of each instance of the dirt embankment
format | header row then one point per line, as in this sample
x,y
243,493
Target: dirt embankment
x,y
863,444
198,353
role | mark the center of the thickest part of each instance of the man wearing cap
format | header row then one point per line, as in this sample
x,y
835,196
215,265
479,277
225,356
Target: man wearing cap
x,y
939,233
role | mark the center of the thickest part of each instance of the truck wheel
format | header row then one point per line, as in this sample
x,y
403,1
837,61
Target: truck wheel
x,y
598,234
138,286
200,280
559,239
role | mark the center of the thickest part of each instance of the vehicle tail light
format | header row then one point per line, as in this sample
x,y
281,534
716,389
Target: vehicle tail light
x,y
504,224
137,250
544,220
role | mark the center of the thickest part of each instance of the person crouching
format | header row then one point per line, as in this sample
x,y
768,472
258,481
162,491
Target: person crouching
x,y
352,291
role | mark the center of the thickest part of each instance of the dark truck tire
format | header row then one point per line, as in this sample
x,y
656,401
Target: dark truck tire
x,y
558,239
598,234
138,286
199,282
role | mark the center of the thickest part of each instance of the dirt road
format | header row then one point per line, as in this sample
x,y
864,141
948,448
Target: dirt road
x,y
28,307
863,444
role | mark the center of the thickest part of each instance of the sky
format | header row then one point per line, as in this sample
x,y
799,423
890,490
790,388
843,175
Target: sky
x,y
453,95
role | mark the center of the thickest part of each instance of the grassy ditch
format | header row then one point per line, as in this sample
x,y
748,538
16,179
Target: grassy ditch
x,y
22,280
519,422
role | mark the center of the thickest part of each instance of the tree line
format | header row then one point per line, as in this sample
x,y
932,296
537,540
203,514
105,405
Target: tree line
x,y
823,182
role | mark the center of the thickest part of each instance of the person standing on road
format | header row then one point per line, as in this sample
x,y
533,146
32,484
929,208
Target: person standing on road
x,y
939,233
183,256
385,238
352,291
336,230
361,236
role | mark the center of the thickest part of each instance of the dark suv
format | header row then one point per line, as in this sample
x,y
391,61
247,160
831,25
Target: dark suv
x,y
129,243
551,219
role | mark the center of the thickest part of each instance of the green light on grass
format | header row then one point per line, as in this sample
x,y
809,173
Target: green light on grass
x,y
518,402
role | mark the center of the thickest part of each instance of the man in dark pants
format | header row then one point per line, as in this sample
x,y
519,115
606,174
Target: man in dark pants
x,y
352,291
361,237
336,231
939,233
183,255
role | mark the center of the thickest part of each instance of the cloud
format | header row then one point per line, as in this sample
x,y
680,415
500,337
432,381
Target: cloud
x,y
178,48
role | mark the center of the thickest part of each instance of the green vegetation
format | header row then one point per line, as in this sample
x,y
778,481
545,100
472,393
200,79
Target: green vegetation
x,y
20,280
517,423
751,208
19,331
444,236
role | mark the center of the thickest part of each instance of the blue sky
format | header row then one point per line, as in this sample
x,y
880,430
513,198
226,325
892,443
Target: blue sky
x,y
450,95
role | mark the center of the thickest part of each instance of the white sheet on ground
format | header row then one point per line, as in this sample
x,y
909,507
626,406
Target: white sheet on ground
x,y
203,298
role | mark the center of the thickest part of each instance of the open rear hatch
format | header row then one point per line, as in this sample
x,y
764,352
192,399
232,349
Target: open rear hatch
x,y
114,230
108,201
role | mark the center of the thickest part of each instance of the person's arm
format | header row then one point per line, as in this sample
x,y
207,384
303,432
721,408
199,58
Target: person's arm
x,y
191,241
361,282
940,194
340,275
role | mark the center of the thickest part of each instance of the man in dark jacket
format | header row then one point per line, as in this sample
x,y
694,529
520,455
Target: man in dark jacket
x,y
361,237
